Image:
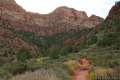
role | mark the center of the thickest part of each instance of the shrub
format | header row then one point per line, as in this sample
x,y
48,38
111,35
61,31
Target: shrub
x,y
92,40
23,55
107,40
71,66
54,55
65,50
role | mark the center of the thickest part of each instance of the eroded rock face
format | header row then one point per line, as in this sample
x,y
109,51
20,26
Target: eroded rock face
x,y
92,21
10,41
63,19
10,5
69,14
115,11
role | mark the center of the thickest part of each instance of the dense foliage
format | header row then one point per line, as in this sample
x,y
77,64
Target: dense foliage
x,y
101,45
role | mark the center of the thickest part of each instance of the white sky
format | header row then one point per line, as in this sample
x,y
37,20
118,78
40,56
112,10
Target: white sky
x,y
97,7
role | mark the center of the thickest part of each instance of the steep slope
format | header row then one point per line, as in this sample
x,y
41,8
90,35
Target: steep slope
x,y
64,33
104,40
62,19
111,27
12,45
44,31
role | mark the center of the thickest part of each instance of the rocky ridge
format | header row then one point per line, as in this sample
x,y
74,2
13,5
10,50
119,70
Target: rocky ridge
x,y
63,19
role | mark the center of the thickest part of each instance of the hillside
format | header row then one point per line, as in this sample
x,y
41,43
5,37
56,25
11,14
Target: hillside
x,y
106,40
31,41
36,32
63,19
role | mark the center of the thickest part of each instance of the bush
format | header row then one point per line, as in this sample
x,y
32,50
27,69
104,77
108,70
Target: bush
x,y
108,40
54,54
23,55
65,50
92,40
71,66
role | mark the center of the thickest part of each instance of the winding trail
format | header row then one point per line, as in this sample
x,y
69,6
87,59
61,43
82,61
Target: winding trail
x,y
81,75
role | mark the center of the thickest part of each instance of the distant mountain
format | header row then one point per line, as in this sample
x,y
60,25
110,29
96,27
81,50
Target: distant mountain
x,y
62,19
26,38
63,31
28,28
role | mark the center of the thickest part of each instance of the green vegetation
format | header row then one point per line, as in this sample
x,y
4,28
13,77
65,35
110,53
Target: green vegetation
x,y
92,40
23,55
108,39
58,54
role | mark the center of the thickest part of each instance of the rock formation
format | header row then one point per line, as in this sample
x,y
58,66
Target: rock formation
x,y
62,19
115,11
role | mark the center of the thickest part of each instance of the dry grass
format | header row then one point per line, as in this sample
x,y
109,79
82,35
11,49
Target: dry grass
x,y
72,64
38,75
103,71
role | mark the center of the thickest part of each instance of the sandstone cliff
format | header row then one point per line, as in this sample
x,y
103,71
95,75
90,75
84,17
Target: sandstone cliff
x,y
63,19
115,11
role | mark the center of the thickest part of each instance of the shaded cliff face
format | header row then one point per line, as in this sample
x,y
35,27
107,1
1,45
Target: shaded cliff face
x,y
63,19
115,11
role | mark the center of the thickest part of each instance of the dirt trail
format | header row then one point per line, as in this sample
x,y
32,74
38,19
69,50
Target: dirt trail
x,y
81,75
83,71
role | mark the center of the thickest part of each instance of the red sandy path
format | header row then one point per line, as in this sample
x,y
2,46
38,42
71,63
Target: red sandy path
x,y
81,75
83,71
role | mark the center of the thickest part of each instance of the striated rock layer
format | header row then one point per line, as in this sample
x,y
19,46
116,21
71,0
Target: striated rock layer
x,y
63,19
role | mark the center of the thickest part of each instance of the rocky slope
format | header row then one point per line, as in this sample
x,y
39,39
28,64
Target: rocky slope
x,y
22,29
63,19
64,33
11,43
105,39
114,12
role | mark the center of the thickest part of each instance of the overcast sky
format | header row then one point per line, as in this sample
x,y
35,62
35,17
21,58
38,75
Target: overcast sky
x,y
97,7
